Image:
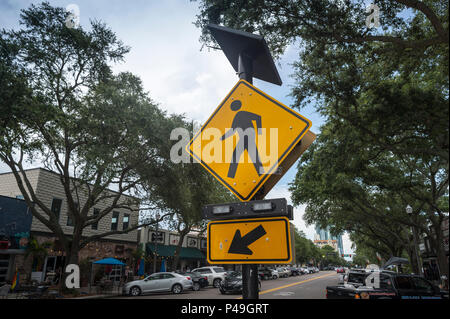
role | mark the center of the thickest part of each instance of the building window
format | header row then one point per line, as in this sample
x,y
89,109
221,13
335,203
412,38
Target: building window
x,y
96,212
114,220
69,217
126,221
56,207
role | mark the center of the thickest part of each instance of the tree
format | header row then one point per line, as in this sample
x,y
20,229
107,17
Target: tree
x,y
67,109
344,185
282,22
38,251
305,250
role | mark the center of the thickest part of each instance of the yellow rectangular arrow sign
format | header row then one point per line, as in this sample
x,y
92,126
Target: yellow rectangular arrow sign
x,y
249,241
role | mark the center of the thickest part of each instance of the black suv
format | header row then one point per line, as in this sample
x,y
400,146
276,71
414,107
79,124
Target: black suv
x,y
233,283
294,271
264,273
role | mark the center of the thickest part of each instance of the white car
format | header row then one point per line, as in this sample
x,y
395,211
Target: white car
x,y
215,275
275,274
311,270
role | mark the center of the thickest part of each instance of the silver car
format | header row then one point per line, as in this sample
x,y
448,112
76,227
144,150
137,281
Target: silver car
x,y
282,272
158,282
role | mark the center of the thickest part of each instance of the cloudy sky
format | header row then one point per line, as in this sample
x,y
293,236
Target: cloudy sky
x,y
165,54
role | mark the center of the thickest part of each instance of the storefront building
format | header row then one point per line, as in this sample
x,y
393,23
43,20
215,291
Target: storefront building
x,y
160,248
49,190
15,226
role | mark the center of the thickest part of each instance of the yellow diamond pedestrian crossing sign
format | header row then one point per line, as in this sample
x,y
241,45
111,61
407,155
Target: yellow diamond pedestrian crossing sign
x,y
246,138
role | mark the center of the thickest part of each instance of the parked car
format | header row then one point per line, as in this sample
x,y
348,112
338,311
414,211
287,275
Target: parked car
x,y
340,270
294,271
198,280
283,272
391,286
316,269
215,275
264,273
158,282
303,270
288,270
275,274
311,269
233,284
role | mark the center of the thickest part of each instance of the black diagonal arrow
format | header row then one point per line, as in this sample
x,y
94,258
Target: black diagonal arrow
x,y
239,244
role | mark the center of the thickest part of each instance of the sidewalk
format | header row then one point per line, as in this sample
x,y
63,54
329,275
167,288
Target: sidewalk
x,y
83,294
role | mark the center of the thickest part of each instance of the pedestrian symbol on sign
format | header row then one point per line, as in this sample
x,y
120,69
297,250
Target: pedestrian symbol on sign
x,y
243,126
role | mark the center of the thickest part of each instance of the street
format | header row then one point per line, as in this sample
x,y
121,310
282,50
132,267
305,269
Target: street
x,y
311,286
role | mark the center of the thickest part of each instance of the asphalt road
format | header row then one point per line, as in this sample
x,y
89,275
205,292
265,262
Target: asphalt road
x,y
311,286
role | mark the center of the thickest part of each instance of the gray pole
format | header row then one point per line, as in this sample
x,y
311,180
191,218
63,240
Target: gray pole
x,y
250,285
156,246
419,266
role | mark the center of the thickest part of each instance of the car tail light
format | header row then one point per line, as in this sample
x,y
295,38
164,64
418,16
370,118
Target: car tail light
x,y
188,278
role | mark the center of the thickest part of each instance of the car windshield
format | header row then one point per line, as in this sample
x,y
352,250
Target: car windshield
x,y
356,278
234,274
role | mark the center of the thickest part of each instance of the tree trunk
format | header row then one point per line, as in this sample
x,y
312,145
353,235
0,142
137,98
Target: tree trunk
x,y
437,241
176,256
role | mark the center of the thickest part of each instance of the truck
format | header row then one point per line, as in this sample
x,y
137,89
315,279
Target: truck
x,y
385,285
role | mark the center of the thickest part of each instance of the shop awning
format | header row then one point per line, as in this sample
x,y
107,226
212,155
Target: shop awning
x,y
169,251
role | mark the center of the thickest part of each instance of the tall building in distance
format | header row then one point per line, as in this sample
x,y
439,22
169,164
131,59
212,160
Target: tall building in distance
x,y
323,237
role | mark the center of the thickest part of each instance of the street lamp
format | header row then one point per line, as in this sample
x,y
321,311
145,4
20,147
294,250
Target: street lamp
x,y
156,242
409,211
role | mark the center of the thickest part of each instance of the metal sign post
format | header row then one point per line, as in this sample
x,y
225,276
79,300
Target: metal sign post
x,y
250,287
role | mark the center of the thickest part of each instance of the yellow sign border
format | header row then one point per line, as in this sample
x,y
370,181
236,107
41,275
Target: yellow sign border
x,y
280,159
251,261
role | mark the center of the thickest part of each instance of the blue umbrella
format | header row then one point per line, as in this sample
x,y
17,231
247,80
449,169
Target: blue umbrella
x,y
163,266
141,267
109,261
